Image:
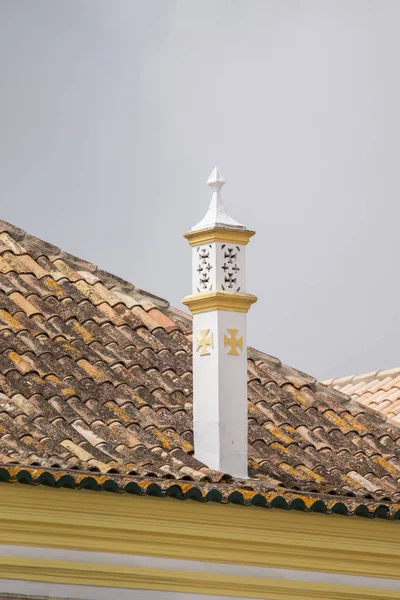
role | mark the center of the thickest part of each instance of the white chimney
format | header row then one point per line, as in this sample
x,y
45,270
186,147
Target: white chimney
x,y
219,304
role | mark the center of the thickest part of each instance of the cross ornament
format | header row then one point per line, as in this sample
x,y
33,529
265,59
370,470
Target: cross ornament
x,y
230,279
205,340
204,279
232,342
230,255
204,255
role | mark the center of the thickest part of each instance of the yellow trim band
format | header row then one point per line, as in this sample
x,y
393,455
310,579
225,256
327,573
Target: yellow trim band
x,y
234,301
117,576
163,527
219,234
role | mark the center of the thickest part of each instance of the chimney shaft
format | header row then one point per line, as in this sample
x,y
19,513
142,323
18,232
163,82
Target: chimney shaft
x,y
219,305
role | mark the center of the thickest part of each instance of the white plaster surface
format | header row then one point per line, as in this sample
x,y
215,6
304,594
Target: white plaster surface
x,y
220,394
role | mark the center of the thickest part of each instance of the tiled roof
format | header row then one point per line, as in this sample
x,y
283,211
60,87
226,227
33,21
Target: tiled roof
x,y
378,391
96,391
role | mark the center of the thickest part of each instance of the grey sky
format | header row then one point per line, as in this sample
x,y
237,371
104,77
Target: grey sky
x,y
114,112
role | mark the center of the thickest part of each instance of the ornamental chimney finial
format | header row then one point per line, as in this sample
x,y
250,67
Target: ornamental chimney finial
x,y
216,215
219,303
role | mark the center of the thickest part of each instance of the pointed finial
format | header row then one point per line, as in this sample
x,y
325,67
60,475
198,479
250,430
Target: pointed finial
x,y
216,181
216,214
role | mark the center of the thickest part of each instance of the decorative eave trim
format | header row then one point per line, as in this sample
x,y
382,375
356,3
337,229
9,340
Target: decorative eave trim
x,y
219,300
203,492
128,577
219,234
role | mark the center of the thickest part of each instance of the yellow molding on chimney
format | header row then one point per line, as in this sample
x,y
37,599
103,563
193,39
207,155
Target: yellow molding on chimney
x,y
219,300
219,234
224,533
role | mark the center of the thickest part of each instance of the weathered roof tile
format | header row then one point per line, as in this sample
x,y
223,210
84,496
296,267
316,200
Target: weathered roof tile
x,y
95,375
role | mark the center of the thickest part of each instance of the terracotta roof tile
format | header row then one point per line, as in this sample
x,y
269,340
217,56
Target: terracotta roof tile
x,y
377,390
95,377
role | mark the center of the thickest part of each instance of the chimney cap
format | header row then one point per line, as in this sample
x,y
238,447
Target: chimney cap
x,y
217,215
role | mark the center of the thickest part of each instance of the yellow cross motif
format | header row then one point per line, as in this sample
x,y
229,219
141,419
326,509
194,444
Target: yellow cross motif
x,y
233,342
205,340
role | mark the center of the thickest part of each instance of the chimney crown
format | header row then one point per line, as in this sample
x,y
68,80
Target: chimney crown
x,y
216,215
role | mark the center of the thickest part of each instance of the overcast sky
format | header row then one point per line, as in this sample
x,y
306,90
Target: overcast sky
x,y
114,112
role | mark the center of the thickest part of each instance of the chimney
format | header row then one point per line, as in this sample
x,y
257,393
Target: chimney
x,y
219,304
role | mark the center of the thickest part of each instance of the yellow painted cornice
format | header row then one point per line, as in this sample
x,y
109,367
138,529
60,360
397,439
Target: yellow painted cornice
x,y
219,300
163,527
127,577
231,235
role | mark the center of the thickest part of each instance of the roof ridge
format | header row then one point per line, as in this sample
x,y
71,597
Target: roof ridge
x,y
80,264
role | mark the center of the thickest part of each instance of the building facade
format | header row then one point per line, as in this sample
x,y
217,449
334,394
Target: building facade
x,y
148,453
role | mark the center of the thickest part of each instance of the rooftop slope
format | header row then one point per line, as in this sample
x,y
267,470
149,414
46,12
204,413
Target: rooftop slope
x,y
95,379
377,391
